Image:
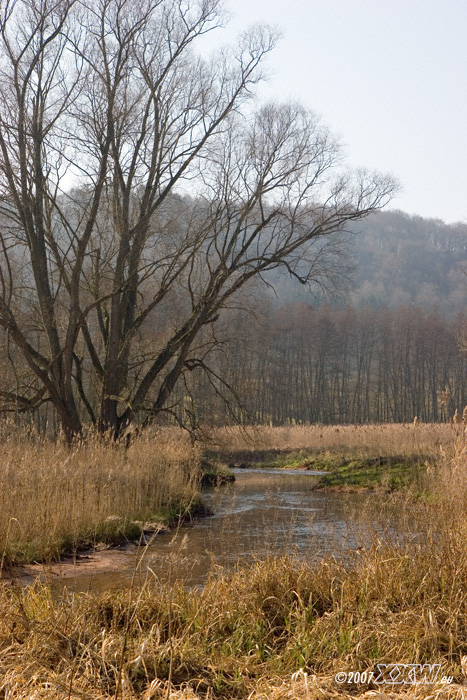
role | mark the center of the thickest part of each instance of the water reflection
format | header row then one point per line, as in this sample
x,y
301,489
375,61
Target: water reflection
x,y
263,512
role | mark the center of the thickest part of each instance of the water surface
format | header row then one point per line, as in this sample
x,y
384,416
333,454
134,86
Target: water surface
x,y
266,511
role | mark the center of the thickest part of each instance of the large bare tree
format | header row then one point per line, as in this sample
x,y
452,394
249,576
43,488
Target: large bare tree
x,y
141,190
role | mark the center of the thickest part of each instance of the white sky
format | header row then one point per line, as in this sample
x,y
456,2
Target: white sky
x,y
389,77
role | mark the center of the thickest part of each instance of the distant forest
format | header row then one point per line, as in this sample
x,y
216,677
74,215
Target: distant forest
x,y
391,345
395,259
391,348
401,259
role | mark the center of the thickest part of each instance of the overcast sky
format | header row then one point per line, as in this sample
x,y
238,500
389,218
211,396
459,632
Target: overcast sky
x,y
389,77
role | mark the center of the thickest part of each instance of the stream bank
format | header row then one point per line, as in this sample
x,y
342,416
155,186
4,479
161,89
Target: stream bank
x,y
258,510
265,512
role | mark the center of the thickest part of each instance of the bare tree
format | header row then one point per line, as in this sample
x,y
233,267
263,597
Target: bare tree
x,y
107,116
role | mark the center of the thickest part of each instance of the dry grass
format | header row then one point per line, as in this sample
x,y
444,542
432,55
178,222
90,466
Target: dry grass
x,y
279,629
55,499
356,440
247,635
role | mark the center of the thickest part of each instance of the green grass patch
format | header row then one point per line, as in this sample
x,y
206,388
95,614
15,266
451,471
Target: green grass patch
x,y
390,473
215,473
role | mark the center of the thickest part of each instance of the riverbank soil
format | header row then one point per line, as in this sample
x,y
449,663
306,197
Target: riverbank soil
x,y
91,562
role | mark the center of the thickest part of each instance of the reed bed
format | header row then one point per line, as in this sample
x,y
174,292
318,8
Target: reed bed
x,y
277,629
56,499
355,440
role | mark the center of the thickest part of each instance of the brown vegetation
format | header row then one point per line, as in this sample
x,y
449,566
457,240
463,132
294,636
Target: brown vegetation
x,y
280,628
243,634
55,499
383,439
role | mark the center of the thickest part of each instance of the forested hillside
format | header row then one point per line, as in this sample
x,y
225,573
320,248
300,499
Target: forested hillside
x,y
390,349
396,259
401,259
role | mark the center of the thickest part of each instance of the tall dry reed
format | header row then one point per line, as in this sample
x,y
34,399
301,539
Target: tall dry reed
x,y
281,628
356,440
54,498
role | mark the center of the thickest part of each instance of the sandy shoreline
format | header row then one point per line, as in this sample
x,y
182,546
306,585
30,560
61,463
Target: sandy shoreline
x,y
92,562
99,560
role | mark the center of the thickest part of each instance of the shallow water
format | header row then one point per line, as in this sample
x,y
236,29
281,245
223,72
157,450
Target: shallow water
x,y
263,512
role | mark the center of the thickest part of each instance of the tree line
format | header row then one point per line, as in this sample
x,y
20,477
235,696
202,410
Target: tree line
x,y
300,363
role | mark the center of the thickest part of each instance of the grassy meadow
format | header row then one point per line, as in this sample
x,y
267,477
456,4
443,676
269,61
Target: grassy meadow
x,y
279,629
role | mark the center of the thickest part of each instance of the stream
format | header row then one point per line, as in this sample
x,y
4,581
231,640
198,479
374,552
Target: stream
x,y
265,511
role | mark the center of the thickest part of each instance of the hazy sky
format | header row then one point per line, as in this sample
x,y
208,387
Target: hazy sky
x,y
389,77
